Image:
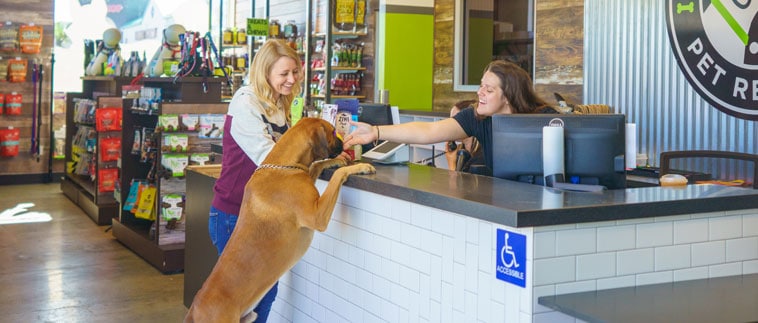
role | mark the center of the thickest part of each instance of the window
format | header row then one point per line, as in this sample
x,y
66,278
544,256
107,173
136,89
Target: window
x,y
486,30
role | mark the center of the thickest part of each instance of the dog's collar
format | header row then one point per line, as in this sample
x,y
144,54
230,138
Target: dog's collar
x,y
272,166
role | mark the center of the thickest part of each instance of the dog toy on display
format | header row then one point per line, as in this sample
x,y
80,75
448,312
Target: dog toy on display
x,y
107,61
167,57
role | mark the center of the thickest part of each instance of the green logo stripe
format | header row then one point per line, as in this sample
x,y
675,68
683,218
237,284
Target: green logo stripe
x,y
730,20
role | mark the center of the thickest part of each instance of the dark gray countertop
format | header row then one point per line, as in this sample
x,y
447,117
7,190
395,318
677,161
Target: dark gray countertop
x,y
723,299
523,205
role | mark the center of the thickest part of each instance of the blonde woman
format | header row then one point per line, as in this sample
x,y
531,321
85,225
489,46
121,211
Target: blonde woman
x,y
258,115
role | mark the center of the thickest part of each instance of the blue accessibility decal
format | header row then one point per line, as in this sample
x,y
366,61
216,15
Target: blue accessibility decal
x,y
510,257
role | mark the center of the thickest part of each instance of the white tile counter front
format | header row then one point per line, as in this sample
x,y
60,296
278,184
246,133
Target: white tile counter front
x,y
388,259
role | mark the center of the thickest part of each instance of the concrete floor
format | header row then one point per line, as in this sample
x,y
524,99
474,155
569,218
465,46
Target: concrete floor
x,y
70,270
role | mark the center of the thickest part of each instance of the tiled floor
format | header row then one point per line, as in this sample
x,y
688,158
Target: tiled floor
x,y
68,269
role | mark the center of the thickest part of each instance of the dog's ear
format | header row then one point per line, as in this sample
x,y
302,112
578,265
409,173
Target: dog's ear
x,y
321,143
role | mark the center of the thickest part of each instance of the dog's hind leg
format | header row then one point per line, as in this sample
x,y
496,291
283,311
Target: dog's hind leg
x,y
249,317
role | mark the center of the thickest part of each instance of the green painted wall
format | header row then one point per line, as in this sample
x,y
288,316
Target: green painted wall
x,y
406,65
478,57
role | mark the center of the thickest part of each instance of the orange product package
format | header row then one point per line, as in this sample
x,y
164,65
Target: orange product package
x,y
9,142
108,119
2,103
13,104
30,38
17,70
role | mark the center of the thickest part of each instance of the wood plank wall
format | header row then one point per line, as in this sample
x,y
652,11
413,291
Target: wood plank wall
x,y
39,12
559,34
444,49
559,49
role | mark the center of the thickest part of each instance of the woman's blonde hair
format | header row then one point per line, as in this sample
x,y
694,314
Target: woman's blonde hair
x,y
261,67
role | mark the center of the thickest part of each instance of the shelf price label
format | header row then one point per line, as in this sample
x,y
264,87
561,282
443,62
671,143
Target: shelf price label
x,y
257,27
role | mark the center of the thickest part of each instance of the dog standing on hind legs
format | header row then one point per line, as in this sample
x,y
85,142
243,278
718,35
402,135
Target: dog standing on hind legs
x,y
280,210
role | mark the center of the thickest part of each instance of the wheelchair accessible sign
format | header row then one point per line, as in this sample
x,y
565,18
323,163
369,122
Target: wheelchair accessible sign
x,y
510,258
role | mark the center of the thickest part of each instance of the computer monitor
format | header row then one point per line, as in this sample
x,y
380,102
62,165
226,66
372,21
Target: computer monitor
x,y
377,114
593,148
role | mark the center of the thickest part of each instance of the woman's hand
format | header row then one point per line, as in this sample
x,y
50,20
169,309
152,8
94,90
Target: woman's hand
x,y
362,134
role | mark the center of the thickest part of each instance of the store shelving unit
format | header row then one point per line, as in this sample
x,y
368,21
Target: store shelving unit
x,y
324,32
83,189
161,244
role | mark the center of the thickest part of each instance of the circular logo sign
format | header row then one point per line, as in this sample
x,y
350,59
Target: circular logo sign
x,y
716,45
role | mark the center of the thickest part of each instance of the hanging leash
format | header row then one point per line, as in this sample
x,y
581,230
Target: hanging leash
x,y
218,58
205,65
184,50
41,71
34,110
190,60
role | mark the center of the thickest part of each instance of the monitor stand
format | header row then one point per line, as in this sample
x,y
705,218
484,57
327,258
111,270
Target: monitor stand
x,y
579,187
557,181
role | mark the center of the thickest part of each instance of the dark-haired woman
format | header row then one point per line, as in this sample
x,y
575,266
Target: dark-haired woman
x,y
505,89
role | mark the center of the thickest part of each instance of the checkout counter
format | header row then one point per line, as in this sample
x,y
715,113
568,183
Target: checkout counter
x,y
418,243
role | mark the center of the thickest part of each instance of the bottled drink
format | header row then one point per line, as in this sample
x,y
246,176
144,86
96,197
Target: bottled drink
x,y
241,37
228,37
274,29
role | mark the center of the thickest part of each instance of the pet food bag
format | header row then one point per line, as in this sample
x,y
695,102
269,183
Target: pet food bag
x,y
17,70
3,70
175,143
30,38
131,199
168,122
172,207
9,142
190,122
8,38
13,104
108,119
110,149
199,159
212,126
145,203
175,163
107,179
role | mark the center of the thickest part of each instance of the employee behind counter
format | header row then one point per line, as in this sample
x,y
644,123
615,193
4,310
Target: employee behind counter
x,y
505,89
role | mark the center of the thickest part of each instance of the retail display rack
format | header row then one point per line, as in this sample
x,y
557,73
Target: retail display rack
x,y
167,126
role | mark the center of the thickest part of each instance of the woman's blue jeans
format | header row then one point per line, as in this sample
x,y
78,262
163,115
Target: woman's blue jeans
x,y
220,226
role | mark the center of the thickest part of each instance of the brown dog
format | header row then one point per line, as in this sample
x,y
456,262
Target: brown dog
x,y
280,209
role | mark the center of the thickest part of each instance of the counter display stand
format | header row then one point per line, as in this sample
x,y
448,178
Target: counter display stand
x,y
159,142
86,187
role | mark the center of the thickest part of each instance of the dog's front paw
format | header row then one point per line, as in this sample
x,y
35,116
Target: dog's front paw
x,y
361,169
338,161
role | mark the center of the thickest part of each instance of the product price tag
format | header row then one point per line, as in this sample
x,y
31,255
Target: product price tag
x,y
257,27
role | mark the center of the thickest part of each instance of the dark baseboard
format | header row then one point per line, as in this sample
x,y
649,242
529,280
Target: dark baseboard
x,y
30,179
